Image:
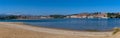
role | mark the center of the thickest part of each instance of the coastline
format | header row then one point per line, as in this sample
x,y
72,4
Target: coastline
x,y
64,29
52,31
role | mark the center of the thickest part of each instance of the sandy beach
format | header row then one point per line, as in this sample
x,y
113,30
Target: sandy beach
x,y
20,30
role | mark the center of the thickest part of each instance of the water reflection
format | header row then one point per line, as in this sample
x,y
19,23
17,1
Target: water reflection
x,y
79,24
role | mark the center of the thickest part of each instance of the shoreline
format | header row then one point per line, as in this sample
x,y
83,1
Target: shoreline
x,y
65,29
20,25
60,28
21,30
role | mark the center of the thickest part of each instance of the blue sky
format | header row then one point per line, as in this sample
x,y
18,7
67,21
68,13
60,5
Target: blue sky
x,y
47,7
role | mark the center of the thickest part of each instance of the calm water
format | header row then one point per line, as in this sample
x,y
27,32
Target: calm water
x,y
74,24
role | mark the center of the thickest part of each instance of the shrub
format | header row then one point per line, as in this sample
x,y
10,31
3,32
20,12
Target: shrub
x,y
115,30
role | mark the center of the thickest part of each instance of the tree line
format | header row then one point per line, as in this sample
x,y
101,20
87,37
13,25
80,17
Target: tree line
x,y
109,15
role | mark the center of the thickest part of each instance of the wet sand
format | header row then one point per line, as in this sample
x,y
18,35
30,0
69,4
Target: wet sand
x,y
20,30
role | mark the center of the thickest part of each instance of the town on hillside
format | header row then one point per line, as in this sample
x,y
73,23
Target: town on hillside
x,y
80,15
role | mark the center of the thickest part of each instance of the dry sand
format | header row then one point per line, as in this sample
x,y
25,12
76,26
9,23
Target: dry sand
x,y
19,30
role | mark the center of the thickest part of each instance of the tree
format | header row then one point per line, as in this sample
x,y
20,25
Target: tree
x,y
57,16
11,17
112,15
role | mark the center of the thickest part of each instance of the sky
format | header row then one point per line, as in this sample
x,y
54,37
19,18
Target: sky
x,y
48,7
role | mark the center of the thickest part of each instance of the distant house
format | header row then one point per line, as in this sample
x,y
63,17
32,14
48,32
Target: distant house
x,y
101,15
34,17
83,15
45,17
86,15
